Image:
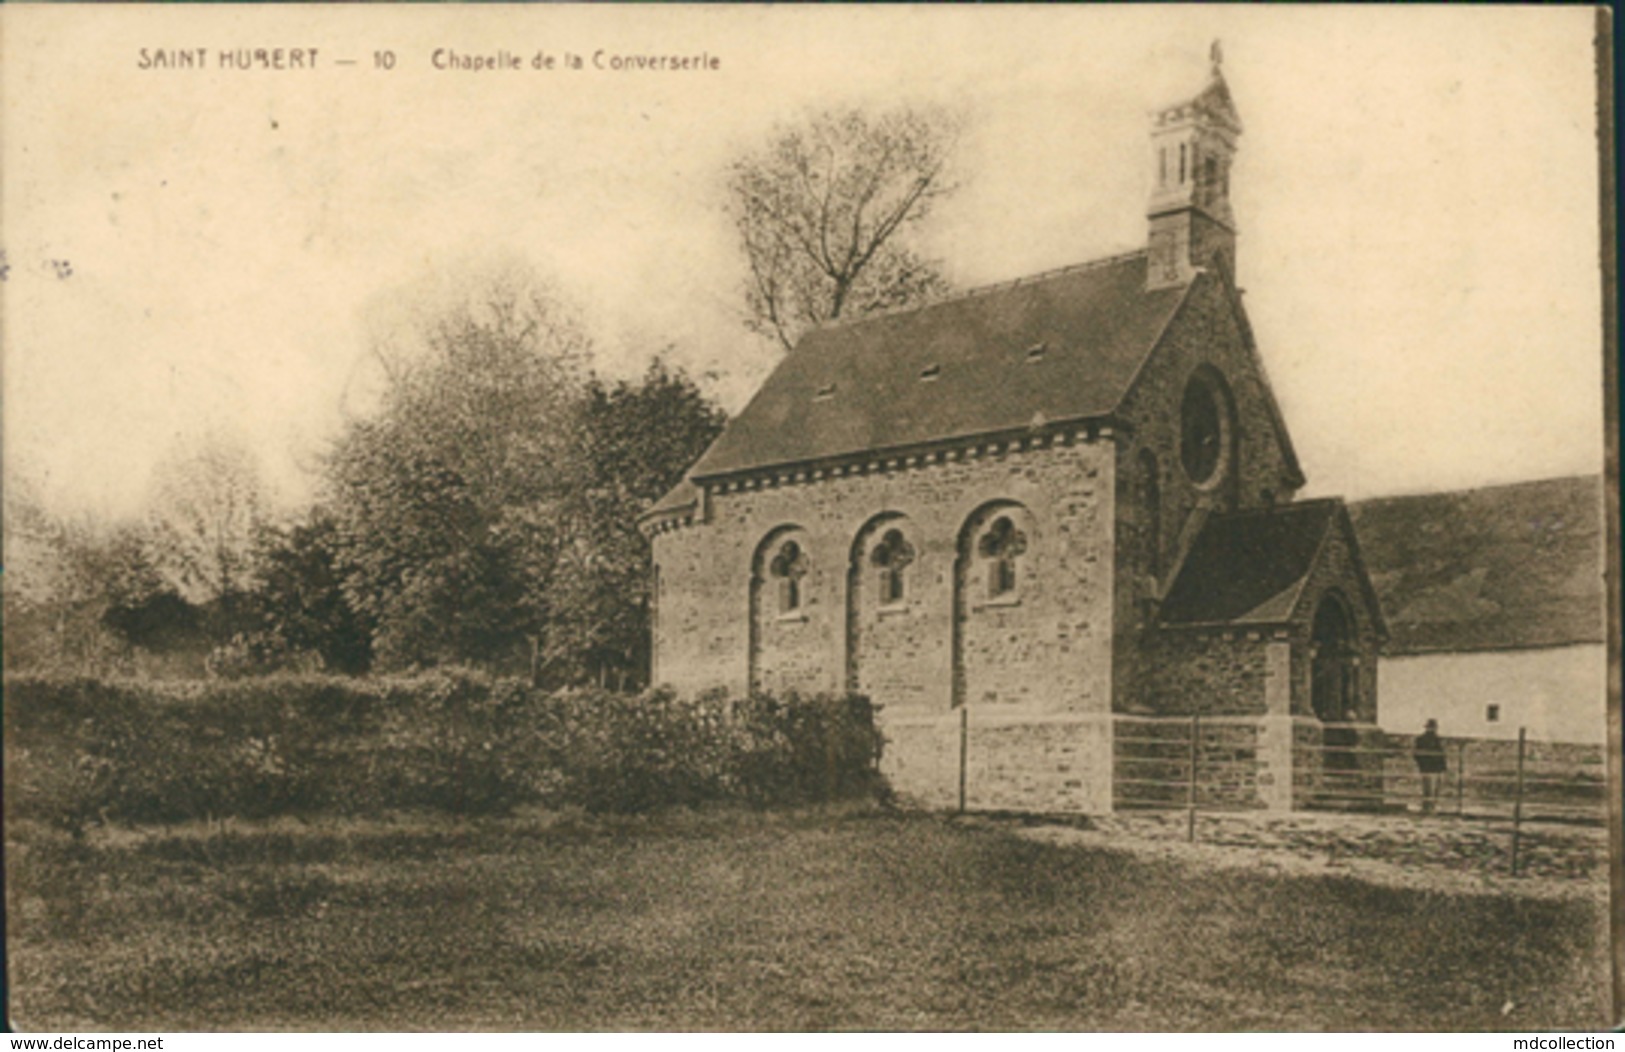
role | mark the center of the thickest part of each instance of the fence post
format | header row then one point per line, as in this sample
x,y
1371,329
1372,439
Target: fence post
x,y
1461,775
1517,803
1190,781
964,749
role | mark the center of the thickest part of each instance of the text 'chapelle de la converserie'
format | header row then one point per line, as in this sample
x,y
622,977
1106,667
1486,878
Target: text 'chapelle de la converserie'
x,y
618,62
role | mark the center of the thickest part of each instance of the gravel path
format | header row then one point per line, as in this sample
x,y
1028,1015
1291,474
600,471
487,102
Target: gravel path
x,y
1445,854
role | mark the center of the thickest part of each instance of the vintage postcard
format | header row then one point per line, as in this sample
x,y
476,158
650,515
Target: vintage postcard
x,y
803,518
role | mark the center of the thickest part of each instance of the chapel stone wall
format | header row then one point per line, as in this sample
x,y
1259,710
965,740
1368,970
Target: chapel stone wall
x,y
1023,650
1041,645
1205,334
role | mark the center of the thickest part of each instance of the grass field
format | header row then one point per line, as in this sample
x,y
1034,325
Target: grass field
x,y
804,921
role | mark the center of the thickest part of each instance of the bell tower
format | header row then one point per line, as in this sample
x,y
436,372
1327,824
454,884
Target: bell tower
x,y
1192,145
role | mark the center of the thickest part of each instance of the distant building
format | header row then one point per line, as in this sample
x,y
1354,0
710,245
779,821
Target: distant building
x,y
1495,606
1058,505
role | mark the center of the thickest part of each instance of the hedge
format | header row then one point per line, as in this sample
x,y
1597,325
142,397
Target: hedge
x,y
86,751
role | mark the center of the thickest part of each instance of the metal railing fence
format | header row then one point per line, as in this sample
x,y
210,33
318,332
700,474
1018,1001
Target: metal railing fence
x,y
1200,764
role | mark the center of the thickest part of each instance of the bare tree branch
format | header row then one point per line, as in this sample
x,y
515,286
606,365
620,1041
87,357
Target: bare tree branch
x,y
824,213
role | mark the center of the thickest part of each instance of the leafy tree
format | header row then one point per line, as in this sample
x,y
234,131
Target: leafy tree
x,y
32,578
299,597
485,512
825,213
446,501
206,505
635,441
81,593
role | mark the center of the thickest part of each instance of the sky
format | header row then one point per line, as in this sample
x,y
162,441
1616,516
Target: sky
x,y
212,251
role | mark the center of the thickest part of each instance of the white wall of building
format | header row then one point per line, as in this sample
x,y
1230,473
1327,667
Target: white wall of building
x,y
1558,693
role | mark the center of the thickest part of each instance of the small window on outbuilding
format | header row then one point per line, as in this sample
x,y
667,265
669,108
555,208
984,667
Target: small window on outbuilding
x,y
789,566
1002,545
1492,714
892,556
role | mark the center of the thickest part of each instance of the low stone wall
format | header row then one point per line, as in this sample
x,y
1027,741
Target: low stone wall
x,y
1061,763
1153,762
1340,765
1151,758
1227,764
1308,768
1276,758
1065,763
921,759
1041,763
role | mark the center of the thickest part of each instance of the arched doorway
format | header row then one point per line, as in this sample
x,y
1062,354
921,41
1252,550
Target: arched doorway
x,y
1333,682
1333,665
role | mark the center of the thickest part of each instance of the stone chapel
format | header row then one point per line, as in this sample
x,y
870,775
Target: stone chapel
x,y
1056,509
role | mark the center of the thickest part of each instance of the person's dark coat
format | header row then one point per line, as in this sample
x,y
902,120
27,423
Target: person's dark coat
x,y
1429,753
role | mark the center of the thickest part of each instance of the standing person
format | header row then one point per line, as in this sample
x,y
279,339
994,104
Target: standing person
x,y
1429,753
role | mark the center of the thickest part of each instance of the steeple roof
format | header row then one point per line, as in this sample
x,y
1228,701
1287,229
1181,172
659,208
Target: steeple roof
x,y
1212,102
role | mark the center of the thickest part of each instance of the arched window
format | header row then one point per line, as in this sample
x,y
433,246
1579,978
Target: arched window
x,y
789,566
1002,545
892,556
1206,431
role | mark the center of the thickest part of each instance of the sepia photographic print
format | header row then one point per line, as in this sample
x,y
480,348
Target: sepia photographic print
x,y
800,518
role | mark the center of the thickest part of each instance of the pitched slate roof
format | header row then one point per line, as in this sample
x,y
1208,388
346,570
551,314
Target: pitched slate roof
x,y
1488,569
954,368
1249,567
